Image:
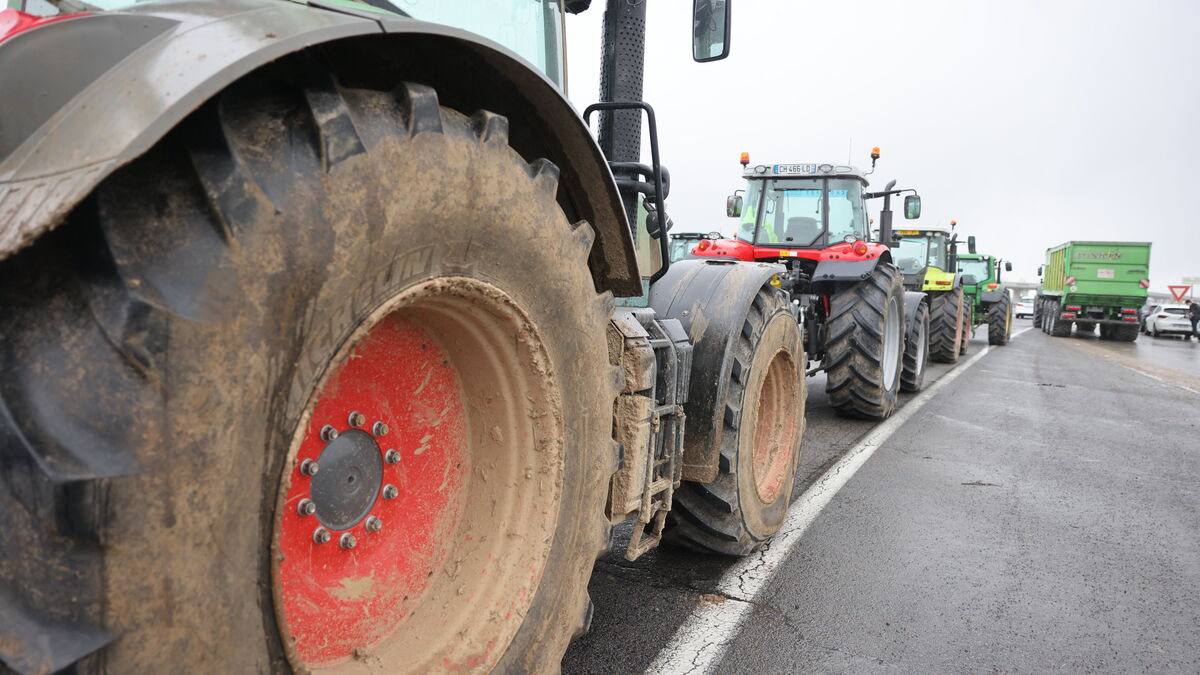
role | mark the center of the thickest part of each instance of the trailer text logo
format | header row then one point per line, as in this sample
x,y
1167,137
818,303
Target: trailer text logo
x,y
1099,255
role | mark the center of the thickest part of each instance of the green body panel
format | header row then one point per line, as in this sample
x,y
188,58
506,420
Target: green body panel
x,y
1106,273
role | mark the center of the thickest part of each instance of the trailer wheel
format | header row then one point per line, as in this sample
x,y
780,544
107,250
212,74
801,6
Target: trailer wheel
x,y
946,319
1000,321
1058,326
916,352
864,345
319,382
1126,332
747,502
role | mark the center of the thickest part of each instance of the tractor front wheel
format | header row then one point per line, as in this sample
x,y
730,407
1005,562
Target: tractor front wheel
x,y
864,346
760,445
916,351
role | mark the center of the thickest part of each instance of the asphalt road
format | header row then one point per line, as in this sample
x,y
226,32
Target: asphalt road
x,y
1040,513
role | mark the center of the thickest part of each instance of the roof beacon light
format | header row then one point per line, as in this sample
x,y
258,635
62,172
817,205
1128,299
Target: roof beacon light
x,y
745,158
874,157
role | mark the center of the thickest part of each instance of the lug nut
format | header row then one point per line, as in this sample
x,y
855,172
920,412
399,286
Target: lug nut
x,y
308,467
328,433
390,492
321,536
379,429
357,419
347,540
374,524
306,507
391,456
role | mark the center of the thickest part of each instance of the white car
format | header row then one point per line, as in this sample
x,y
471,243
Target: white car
x,y
1024,308
1169,320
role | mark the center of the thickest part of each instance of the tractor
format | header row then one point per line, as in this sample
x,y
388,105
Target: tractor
x,y
683,242
989,302
926,256
333,340
812,218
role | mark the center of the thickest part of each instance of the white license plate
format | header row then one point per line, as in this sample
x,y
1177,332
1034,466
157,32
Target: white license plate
x,y
1105,274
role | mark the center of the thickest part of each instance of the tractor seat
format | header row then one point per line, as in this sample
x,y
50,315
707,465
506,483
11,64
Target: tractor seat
x,y
801,230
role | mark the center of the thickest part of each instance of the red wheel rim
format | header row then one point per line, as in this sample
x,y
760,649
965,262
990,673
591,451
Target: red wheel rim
x,y
775,428
459,376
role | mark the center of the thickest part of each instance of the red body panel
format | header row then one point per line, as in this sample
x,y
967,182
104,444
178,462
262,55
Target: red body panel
x,y
741,250
13,22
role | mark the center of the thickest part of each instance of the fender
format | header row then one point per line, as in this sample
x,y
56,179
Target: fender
x,y
844,270
710,298
992,296
912,301
136,74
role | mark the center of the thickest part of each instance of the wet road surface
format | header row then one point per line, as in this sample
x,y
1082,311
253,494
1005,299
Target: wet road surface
x,y
1037,514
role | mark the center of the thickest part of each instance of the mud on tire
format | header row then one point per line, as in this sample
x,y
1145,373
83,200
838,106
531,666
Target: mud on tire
x,y
946,318
161,349
748,501
862,370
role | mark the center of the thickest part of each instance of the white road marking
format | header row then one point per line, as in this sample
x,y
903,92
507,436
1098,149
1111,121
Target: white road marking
x,y
699,644
1019,332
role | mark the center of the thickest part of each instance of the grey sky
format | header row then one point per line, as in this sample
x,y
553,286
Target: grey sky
x,y
1030,123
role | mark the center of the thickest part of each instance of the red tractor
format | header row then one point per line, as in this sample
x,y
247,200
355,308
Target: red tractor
x,y
870,336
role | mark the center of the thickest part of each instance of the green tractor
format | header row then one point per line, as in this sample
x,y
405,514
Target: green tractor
x,y
988,301
926,255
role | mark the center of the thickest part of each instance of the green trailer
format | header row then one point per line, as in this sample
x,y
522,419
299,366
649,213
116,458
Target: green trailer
x,y
1086,284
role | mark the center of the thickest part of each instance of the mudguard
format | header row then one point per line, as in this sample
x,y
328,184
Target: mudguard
x,y
991,296
710,298
84,96
912,300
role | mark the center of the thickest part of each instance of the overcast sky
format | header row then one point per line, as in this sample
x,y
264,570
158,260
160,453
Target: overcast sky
x,y
1030,123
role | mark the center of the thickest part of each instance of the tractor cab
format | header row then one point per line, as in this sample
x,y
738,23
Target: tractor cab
x,y
802,206
801,215
926,257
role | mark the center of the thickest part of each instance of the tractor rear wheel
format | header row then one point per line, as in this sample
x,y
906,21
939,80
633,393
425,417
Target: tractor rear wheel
x,y
294,390
1000,321
946,319
916,352
864,345
748,501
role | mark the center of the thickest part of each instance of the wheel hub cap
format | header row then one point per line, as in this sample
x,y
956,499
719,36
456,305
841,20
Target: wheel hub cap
x,y
348,480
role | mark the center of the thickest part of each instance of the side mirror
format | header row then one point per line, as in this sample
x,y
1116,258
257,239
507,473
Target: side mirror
x,y
733,206
710,30
971,244
1007,266
912,207
1039,270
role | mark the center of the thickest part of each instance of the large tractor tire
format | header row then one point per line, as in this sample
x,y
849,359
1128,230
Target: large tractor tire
x,y
1037,312
748,501
946,319
318,383
1000,321
968,330
864,345
916,351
